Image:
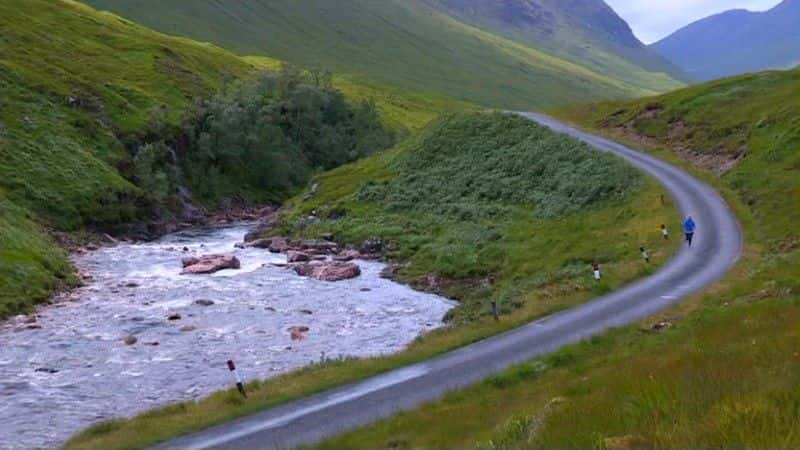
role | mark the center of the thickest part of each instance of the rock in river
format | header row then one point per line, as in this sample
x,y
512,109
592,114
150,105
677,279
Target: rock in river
x,y
347,255
298,333
209,264
328,271
294,256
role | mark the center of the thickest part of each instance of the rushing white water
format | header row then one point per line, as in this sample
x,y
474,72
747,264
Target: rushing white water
x,y
76,370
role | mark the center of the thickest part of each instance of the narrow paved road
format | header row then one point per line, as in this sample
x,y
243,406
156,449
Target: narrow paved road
x,y
717,247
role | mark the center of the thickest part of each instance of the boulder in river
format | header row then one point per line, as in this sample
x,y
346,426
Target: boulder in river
x,y
275,244
130,340
173,317
298,333
204,302
294,256
328,271
210,264
347,255
318,245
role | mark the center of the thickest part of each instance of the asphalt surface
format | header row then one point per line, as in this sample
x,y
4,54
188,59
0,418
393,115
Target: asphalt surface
x,y
717,246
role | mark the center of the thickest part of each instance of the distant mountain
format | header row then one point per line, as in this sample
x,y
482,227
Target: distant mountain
x,y
736,41
588,32
424,45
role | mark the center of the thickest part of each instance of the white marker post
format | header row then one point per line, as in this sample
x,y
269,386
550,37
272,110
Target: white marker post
x,y
239,383
597,274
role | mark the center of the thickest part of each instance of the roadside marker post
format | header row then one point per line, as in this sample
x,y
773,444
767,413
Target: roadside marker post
x,y
239,383
494,310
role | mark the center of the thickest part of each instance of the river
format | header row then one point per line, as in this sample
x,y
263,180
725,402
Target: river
x,y
77,370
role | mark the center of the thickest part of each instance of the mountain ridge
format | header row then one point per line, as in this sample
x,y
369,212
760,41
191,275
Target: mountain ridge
x,y
552,26
408,44
736,41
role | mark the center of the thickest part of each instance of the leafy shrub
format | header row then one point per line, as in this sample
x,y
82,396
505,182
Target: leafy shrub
x,y
263,138
478,166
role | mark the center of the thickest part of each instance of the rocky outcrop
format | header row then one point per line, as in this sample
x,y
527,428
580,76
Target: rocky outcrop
x,y
294,256
298,333
209,264
328,271
347,255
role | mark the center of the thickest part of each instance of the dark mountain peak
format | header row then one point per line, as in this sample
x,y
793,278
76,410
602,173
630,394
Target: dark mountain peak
x,y
736,41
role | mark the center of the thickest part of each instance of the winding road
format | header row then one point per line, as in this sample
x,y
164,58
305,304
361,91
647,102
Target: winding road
x,y
718,245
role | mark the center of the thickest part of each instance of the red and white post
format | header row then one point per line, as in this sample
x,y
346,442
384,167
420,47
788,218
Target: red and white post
x,y
239,383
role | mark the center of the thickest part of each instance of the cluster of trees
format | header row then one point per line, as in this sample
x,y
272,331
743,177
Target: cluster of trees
x,y
260,139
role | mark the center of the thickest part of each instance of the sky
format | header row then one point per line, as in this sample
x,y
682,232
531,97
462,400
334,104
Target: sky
x,y
652,20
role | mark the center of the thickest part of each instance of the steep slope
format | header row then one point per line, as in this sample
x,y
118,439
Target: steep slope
x,y
80,91
75,85
587,32
736,42
718,372
404,43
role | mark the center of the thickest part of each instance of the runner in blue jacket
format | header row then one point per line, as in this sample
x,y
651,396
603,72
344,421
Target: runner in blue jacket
x,y
689,228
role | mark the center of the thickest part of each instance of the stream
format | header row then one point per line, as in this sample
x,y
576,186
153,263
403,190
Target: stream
x,y
72,367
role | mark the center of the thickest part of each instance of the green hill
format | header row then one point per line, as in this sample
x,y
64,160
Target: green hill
x,y
75,85
402,43
717,372
586,32
80,91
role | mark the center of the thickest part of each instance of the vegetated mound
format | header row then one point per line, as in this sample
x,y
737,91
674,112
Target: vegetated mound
x,y
486,204
401,43
483,165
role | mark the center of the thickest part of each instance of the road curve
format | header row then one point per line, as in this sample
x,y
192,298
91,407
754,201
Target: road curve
x,y
718,245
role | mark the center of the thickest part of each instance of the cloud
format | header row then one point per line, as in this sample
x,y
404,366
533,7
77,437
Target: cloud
x,y
652,20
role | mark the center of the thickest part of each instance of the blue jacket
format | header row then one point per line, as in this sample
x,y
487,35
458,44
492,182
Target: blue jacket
x,y
689,226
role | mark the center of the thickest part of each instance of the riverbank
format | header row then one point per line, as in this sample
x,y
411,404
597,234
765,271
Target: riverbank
x,y
141,335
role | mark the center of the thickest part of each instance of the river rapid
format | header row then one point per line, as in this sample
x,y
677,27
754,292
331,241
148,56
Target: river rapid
x,y
77,369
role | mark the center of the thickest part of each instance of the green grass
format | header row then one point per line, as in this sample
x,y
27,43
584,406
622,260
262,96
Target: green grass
x,y
402,43
539,265
724,375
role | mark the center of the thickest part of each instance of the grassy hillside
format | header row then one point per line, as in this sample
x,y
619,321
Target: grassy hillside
x,y
586,32
717,372
74,85
79,90
502,230
401,43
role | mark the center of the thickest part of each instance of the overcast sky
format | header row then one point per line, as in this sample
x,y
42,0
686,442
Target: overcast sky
x,y
652,20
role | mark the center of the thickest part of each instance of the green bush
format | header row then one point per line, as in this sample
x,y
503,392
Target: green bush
x,y
478,166
262,138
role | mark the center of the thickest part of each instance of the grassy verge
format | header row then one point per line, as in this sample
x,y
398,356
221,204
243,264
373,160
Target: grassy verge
x,y
724,372
534,261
